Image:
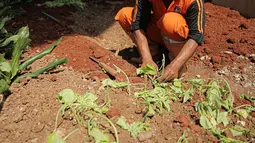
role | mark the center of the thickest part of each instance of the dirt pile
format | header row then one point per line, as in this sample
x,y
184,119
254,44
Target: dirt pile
x,y
78,49
227,36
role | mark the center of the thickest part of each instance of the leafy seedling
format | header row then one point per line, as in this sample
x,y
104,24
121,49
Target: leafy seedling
x,y
135,128
238,131
84,107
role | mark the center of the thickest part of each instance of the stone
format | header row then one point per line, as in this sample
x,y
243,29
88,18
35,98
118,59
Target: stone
x,y
183,120
113,112
144,136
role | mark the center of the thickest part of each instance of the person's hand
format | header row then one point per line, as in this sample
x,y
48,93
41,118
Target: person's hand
x,y
170,73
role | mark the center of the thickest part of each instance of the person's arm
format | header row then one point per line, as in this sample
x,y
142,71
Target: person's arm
x,y
141,18
196,22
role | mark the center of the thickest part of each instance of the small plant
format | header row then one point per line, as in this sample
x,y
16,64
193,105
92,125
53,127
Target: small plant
x,y
10,71
84,109
135,128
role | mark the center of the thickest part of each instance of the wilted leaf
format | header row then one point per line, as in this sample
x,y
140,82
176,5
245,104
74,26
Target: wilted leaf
x,y
114,84
55,138
238,131
148,69
222,117
67,96
135,128
99,136
122,123
177,83
197,82
242,112
205,122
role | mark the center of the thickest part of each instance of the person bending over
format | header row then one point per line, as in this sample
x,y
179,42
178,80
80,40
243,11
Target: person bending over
x,y
177,25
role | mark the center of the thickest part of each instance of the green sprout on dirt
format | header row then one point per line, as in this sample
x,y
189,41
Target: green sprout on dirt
x,y
84,109
183,138
135,128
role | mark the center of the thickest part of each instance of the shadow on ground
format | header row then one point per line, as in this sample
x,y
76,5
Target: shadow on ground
x,y
98,15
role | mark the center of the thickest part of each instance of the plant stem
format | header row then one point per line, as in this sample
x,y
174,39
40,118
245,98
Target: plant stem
x,y
56,121
245,105
70,134
129,90
110,122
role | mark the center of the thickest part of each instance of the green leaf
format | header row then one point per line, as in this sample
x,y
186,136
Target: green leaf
x,y
40,55
7,41
3,85
222,117
55,138
5,67
242,112
53,64
177,83
3,20
99,136
67,96
238,131
148,69
122,123
150,112
135,128
196,83
213,95
205,122
20,44
114,84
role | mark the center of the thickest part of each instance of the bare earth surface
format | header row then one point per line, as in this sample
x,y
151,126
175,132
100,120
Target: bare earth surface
x,y
28,113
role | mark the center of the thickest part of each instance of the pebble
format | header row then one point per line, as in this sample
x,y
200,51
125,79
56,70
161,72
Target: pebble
x,y
247,84
144,136
228,52
241,123
38,127
224,71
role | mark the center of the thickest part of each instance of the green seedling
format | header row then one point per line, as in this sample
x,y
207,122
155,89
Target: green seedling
x,y
135,128
10,71
83,107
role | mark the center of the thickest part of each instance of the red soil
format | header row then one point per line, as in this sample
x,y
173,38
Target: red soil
x,y
226,31
78,49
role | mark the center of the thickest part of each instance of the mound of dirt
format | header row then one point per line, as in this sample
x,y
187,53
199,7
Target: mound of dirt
x,y
227,36
78,49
